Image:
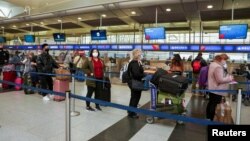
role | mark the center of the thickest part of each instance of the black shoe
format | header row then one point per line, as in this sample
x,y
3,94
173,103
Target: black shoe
x,y
98,108
90,108
133,116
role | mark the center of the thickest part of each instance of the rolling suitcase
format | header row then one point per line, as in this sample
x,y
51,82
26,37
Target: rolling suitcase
x,y
9,76
60,86
105,93
19,82
173,84
28,82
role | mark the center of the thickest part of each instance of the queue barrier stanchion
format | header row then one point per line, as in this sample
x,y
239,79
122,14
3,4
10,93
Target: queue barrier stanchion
x,y
238,108
67,117
73,112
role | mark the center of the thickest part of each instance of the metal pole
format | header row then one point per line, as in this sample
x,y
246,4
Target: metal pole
x,y
73,112
238,110
156,16
67,116
232,10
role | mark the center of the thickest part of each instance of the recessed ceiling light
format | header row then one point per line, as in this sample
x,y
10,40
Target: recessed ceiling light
x,y
59,21
103,15
133,12
41,22
2,27
168,9
27,24
79,18
14,26
210,6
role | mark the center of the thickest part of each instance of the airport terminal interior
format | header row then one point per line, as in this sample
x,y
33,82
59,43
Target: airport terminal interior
x,y
161,29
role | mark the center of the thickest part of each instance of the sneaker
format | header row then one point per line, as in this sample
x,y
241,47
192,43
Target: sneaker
x,y
98,108
90,108
46,98
51,96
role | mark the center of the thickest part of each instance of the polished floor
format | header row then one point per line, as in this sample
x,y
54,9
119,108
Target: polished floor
x,y
29,118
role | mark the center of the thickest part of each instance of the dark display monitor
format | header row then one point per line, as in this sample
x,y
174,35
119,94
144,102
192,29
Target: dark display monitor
x,y
59,37
2,39
29,38
233,31
154,33
98,35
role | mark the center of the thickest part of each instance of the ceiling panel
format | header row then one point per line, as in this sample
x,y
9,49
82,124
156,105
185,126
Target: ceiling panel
x,y
68,25
219,15
10,30
177,29
124,30
105,22
35,28
162,18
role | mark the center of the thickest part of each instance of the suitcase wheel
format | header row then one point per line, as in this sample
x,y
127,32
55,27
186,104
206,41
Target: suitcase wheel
x,y
150,120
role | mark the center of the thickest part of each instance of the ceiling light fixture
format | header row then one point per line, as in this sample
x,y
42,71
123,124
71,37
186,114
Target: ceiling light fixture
x,y
103,15
168,9
133,12
41,22
14,26
59,21
2,27
27,24
210,6
79,18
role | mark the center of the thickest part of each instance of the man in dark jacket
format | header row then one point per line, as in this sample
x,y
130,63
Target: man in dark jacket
x,y
4,58
45,64
197,64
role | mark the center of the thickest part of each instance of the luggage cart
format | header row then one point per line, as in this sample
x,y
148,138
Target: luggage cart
x,y
172,104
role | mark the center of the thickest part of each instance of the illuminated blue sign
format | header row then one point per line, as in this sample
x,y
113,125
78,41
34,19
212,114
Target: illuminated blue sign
x,y
53,47
114,47
194,47
211,48
125,47
84,47
164,47
178,47
228,48
151,47
243,48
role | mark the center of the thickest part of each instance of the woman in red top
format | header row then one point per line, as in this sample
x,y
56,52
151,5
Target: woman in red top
x,y
94,67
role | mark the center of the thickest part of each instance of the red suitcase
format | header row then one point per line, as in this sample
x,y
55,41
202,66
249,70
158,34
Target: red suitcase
x,y
19,81
60,86
9,76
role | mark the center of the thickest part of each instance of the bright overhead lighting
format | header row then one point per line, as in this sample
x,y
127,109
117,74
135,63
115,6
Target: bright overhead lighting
x,y
14,26
133,12
168,9
79,18
2,27
103,15
210,6
59,21
41,22
27,24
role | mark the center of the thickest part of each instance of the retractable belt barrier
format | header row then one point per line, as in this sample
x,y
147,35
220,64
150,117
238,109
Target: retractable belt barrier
x,y
127,108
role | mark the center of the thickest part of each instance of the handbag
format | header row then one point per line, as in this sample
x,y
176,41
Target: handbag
x,y
62,74
138,85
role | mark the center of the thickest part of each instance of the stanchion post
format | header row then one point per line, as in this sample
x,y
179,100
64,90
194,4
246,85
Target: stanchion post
x,y
67,116
73,112
238,109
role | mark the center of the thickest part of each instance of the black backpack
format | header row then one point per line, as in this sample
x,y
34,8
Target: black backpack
x,y
156,77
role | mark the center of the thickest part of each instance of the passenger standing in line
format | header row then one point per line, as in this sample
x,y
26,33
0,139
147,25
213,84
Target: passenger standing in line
x,y
176,65
94,67
34,76
135,71
197,64
45,64
217,80
4,58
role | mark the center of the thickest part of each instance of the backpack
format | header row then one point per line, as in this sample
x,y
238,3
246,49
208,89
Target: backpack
x,y
124,74
196,66
203,76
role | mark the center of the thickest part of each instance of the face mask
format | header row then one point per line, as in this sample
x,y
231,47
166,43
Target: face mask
x,y
223,62
225,65
95,54
47,50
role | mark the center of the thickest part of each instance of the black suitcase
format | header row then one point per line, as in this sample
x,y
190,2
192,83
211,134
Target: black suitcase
x,y
157,75
105,93
173,84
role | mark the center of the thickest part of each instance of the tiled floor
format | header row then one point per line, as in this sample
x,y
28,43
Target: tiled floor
x,y
29,118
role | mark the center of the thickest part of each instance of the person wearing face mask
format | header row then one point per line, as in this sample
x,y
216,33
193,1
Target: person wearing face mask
x,y
45,64
217,80
136,72
94,67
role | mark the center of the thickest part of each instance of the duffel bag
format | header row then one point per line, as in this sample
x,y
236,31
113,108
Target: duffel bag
x,y
173,84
